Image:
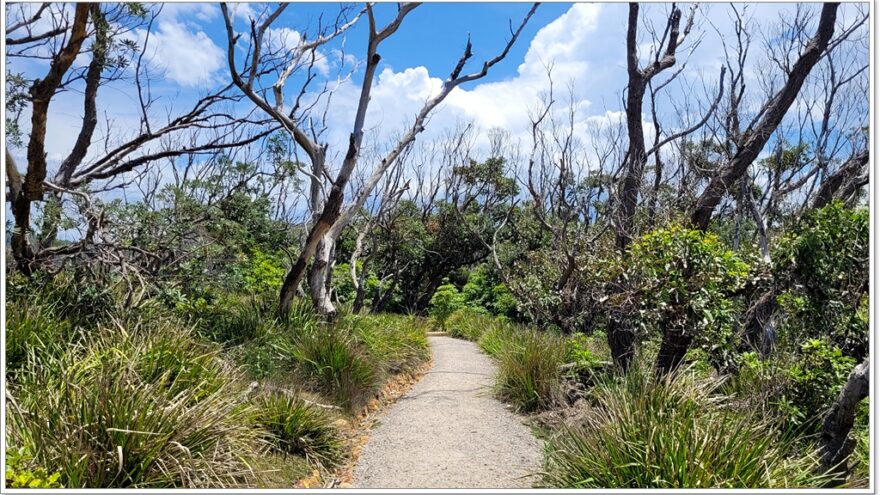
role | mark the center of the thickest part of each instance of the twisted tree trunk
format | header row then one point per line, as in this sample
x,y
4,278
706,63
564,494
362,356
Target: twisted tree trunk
x,y
836,442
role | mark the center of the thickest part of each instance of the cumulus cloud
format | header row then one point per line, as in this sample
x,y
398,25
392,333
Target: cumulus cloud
x,y
188,56
398,95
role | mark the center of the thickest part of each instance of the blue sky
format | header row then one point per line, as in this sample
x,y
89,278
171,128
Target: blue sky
x,y
583,42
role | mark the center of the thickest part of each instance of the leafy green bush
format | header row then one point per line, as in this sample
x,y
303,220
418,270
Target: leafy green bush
x,y
21,473
528,370
483,290
588,354
299,428
827,253
138,407
814,380
672,433
445,301
684,280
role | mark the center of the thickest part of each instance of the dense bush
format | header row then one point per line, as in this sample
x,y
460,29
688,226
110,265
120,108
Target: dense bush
x,y
672,433
445,301
814,381
827,254
684,281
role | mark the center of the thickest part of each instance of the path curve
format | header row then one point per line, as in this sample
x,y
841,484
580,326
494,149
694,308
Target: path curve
x,y
448,431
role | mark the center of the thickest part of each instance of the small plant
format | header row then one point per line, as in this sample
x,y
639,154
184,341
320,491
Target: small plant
x,y
299,428
445,301
20,472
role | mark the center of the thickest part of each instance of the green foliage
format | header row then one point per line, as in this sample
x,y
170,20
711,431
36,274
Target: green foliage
x,y
672,433
445,301
827,253
814,380
483,290
20,472
684,279
33,331
299,428
263,272
588,353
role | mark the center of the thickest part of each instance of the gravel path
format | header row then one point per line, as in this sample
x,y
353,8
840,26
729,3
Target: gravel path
x,y
448,431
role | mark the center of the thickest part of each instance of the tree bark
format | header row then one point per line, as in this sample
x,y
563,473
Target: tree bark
x,y
41,93
836,442
675,344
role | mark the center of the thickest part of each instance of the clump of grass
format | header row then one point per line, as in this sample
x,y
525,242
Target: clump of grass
x,y
675,432
299,428
398,343
528,368
335,364
499,336
34,329
136,407
468,324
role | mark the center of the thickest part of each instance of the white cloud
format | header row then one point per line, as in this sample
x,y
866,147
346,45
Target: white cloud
x,y
188,57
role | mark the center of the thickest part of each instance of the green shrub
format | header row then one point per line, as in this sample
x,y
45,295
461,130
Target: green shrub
x,y
684,280
588,354
674,432
528,369
827,257
298,428
337,365
148,407
814,381
445,301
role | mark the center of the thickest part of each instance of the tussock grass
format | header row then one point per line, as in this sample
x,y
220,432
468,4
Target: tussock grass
x,y
299,428
528,367
135,407
675,432
469,324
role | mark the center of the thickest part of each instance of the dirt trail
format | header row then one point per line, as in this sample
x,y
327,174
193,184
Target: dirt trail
x,y
449,432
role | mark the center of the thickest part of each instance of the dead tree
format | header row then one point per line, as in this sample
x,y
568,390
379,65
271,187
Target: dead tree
x,y
332,216
756,135
837,445
210,127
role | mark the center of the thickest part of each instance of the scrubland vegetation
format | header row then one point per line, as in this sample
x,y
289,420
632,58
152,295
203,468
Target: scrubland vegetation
x,y
675,294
